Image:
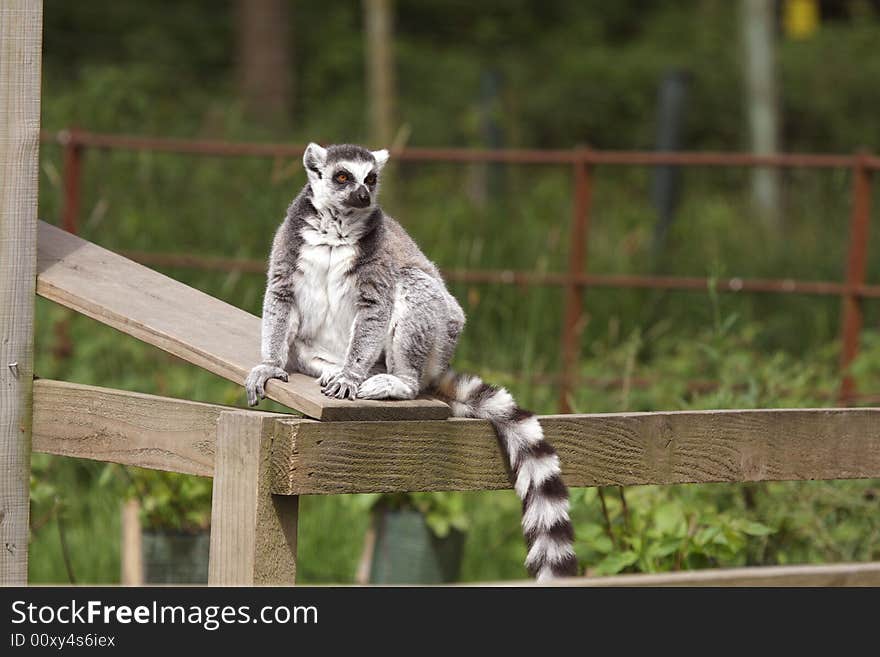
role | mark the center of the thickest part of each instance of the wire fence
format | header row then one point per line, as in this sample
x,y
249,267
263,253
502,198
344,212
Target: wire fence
x,y
853,290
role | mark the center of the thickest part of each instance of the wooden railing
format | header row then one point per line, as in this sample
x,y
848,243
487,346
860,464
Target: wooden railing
x,y
261,462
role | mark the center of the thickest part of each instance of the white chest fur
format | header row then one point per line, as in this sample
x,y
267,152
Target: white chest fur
x,y
326,297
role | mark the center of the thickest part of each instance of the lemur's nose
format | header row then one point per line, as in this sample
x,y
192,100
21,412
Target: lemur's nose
x,y
363,196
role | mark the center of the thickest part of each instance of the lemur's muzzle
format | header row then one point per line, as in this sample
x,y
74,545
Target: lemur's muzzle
x,y
360,198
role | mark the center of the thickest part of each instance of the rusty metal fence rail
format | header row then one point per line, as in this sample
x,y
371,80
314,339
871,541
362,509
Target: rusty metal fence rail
x,y
575,280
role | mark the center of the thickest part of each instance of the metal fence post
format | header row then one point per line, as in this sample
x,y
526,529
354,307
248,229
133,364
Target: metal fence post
x,y
851,307
574,287
72,173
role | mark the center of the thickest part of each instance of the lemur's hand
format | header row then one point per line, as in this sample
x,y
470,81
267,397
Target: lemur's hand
x,y
255,384
342,384
328,374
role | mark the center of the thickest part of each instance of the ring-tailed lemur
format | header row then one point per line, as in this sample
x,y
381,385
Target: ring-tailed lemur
x,y
351,300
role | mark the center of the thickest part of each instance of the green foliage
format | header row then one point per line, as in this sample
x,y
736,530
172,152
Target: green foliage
x,y
171,501
74,504
657,532
573,73
443,511
687,527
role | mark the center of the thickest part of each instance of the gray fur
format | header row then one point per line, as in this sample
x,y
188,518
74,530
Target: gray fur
x,y
351,300
403,321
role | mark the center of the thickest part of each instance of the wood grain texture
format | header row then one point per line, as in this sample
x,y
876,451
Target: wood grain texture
x,y
131,545
130,428
253,533
844,574
188,323
595,450
20,61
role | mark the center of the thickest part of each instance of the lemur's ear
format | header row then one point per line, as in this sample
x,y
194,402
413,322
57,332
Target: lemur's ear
x,y
381,157
314,159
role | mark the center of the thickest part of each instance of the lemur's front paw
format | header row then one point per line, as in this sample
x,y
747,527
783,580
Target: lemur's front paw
x,y
255,384
342,385
327,375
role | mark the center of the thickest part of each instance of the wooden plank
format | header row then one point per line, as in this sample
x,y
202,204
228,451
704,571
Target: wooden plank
x,y
253,533
844,574
131,545
130,428
187,323
595,450
20,60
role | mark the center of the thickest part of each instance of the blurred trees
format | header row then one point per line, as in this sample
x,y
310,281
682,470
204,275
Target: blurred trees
x,y
263,56
572,72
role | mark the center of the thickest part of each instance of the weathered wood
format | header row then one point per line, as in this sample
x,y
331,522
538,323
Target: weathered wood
x,y
347,457
595,450
20,60
844,574
253,533
190,324
124,427
131,545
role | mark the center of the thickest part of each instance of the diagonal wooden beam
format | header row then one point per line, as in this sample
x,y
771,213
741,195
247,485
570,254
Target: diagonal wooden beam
x,y
188,323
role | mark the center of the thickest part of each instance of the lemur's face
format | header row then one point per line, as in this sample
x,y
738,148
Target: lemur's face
x,y
344,178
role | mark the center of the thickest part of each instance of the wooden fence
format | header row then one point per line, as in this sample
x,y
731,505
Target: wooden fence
x,y
262,462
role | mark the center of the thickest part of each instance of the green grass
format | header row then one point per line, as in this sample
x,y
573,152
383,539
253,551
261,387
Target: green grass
x,y
763,350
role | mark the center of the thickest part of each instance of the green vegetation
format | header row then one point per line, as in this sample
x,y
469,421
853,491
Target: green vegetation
x,y
574,73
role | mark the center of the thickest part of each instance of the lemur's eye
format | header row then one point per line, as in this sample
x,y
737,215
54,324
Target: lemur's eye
x,y
341,177
370,179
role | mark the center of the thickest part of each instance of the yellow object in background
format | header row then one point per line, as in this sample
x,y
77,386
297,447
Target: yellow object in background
x,y
801,18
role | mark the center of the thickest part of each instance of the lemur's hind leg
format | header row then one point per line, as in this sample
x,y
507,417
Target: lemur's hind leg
x,y
449,340
415,338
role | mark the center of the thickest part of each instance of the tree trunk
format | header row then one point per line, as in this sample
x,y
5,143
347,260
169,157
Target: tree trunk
x,y
265,67
380,70
759,22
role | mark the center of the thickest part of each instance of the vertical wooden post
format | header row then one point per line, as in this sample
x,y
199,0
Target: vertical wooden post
x,y
857,258
132,551
20,59
253,533
574,290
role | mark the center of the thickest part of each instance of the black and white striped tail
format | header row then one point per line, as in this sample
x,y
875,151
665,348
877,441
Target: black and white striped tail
x,y
534,469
